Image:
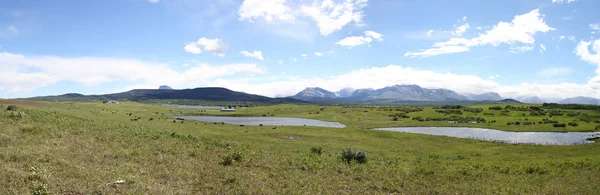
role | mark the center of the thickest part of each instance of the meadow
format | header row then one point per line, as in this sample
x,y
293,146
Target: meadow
x,y
133,148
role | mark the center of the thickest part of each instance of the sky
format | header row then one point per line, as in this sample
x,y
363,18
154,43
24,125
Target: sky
x,y
517,48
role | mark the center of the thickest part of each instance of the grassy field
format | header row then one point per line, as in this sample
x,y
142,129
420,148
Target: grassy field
x,y
364,117
88,148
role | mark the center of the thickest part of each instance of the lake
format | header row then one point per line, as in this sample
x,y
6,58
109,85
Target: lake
x,y
266,121
192,107
541,138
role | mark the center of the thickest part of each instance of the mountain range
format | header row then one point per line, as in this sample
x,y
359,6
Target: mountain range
x,y
397,94
415,93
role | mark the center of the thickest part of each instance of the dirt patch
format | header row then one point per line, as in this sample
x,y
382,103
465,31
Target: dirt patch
x,y
19,102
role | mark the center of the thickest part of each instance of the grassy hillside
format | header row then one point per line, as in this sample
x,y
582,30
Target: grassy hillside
x,y
74,148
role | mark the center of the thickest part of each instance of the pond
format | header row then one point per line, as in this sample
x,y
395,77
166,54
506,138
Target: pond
x,y
541,138
266,121
192,107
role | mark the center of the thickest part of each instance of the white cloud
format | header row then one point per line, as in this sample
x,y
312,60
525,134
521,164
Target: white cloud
x,y
562,1
93,71
193,47
331,52
352,41
593,57
494,77
429,32
542,48
270,10
328,15
374,35
318,54
460,30
520,30
520,49
304,56
595,26
153,1
280,62
555,71
293,60
255,54
214,46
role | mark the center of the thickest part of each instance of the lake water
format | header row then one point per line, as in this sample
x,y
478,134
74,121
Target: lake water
x,y
266,121
192,107
542,138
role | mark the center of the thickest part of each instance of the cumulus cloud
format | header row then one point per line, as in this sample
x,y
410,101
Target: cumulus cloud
x,y
329,16
153,1
255,54
352,41
214,46
270,10
595,26
49,70
520,30
318,54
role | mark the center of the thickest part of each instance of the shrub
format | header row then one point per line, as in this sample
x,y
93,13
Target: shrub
x,y
237,156
349,155
361,157
11,108
227,160
316,150
574,124
559,125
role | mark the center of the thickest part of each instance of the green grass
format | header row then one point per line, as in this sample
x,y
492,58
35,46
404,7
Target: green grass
x,y
364,117
70,148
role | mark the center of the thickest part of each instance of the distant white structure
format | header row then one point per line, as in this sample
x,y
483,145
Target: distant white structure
x,y
111,102
227,109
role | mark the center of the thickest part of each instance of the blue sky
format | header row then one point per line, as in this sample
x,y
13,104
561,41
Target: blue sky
x,y
545,48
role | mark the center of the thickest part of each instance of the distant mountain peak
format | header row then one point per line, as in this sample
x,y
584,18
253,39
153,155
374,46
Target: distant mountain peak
x,y
165,87
314,93
488,96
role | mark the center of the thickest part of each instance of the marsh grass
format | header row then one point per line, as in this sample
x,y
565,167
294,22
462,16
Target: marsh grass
x,y
78,148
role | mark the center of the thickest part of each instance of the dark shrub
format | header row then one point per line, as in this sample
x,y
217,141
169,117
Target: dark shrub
x,y
316,150
237,156
11,108
559,125
574,124
228,160
349,155
361,157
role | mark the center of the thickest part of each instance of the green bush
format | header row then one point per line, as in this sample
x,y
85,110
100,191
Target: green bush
x,y
237,156
11,108
227,160
316,150
348,155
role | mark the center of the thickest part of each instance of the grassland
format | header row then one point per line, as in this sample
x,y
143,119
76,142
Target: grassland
x,y
81,148
368,117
